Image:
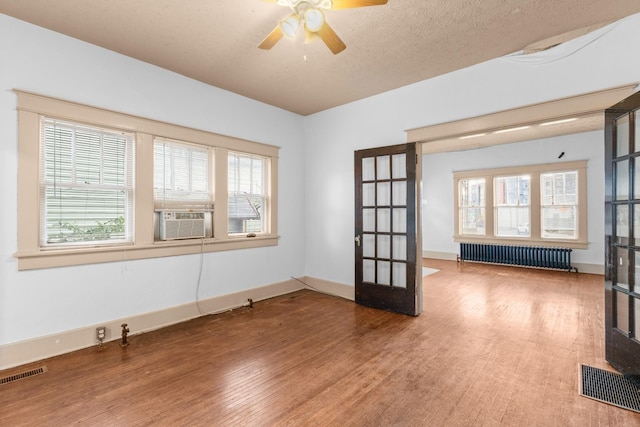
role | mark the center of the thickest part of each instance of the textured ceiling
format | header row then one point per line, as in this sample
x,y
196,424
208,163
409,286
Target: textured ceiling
x,y
403,42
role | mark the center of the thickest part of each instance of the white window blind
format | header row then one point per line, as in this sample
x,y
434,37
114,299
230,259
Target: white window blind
x,y
86,180
182,174
559,204
247,195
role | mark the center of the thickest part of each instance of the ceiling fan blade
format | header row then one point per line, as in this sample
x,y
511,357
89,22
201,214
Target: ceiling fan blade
x,y
331,39
349,4
273,38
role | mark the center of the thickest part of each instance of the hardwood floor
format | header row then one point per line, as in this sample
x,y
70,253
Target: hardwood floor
x,y
494,346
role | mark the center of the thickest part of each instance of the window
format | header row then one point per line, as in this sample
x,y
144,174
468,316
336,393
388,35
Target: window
x,y
86,177
559,201
543,205
182,174
92,185
247,199
472,206
511,205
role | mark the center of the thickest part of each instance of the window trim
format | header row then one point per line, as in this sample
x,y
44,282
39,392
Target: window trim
x,y
30,107
536,209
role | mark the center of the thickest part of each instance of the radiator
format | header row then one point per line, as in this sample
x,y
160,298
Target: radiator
x,y
526,256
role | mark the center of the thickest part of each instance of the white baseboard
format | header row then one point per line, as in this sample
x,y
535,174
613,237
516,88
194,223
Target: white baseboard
x,y
23,352
327,287
448,256
589,268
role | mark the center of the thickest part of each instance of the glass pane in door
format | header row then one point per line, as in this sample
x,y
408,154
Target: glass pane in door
x,y
369,220
368,169
399,220
636,225
384,193
400,248
636,326
622,180
384,220
622,311
368,194
399,190
622,136
399,166
382,169
369,245
368,271
636,270
636,177
384,246
637,122
384,273
622,268
399,275
622,224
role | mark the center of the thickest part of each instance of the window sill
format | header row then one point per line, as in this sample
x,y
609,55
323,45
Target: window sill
x,y
524,241
52,258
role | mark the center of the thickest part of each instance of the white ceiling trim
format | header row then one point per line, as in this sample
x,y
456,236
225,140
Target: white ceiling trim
x,y
495,128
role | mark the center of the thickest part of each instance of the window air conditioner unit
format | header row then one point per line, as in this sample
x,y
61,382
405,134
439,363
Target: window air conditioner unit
x,y
181,225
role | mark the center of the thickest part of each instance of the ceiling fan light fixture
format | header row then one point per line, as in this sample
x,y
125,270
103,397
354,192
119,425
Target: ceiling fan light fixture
x,y
313,19
290,25
310,13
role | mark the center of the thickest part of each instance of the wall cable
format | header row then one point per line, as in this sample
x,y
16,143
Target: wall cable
x,y
315,289
200,278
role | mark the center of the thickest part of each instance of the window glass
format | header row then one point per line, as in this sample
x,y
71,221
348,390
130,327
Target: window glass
x,y
559,203
181,173
87,184
247,194
512,206
472,206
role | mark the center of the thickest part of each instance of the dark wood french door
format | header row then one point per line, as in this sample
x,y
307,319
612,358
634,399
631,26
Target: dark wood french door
x,y
622,236
388,252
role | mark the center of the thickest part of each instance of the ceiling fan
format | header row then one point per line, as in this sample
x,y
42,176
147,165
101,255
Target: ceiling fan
x,y
311,14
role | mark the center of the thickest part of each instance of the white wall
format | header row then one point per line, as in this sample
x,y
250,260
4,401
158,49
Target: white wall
x,y
44,302
333,135
437,178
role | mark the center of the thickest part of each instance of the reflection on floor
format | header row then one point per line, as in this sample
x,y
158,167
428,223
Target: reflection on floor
x,y
427,271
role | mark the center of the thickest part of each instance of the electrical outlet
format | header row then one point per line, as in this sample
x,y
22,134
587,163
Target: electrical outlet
x,y
101,333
